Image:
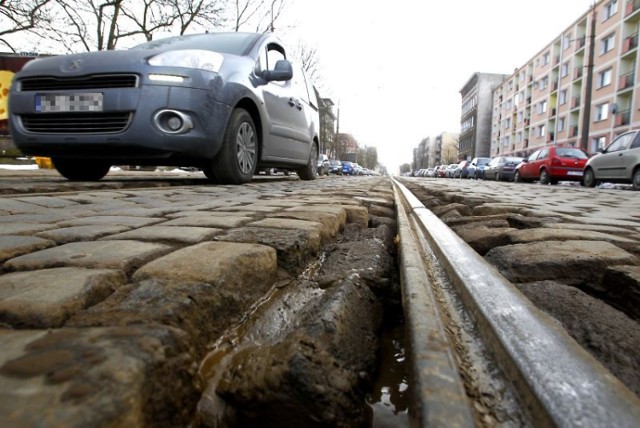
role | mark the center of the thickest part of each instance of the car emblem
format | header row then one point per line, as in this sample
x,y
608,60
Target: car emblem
x,y
73,65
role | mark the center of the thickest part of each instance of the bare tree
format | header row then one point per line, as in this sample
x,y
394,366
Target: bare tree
x,y
259,14
18,16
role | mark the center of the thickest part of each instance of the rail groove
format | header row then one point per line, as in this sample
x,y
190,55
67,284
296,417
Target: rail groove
x,y
556,381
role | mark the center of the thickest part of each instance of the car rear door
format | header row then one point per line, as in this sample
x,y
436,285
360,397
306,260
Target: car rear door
x,y
630,157
610,163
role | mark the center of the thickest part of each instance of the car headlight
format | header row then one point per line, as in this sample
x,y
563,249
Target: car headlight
x,y
189,58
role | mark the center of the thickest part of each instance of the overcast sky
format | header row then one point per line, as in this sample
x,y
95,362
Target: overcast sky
x,y
396,67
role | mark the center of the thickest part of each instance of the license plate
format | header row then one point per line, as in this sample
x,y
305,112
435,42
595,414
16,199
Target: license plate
x,y
82,102
579,173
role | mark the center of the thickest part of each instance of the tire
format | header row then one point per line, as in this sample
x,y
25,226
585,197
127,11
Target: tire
x,y
517,178
310,171
497,177
635,179
589,178
544,177
236,161
81,169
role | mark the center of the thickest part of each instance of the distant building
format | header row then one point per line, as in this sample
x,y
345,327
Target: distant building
x,y
346,147
581,90
438,150
476,114
327,123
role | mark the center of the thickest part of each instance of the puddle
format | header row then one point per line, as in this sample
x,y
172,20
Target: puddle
x,y
388,401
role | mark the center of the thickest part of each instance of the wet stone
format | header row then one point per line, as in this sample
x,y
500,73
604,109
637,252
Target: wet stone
x,y
570,262
204,220
357,215
48,201
80,233
96,377
107,220
13,246
318,374
14,206
608,334
621,288
202,311
482,238
294,248
183,234
47,298
223,264
123,255
24,228
288,223
331,222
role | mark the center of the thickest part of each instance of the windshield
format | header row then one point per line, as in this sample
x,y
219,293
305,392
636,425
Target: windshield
x,y
229,43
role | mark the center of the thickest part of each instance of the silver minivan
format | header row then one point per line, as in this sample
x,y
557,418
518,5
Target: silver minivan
x,y
618,163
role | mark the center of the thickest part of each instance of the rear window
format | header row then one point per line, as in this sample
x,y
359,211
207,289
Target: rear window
x,y
570,153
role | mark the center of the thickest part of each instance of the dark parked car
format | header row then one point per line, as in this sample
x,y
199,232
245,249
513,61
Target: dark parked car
x,y
335,167
552,164
227,103
618,163
501,168
476,167
347,168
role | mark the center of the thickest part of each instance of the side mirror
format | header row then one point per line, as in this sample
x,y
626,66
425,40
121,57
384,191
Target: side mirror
x,y
283,71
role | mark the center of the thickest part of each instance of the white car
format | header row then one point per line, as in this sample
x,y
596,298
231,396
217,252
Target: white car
x,y
618,163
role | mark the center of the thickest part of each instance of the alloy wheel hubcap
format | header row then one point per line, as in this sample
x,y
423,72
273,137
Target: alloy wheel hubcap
x,y
246,147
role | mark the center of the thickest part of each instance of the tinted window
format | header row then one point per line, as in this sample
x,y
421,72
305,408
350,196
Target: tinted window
x,y
544,153
534,155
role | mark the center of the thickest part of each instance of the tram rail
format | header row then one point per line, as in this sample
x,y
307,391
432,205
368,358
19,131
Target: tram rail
x,y
453,300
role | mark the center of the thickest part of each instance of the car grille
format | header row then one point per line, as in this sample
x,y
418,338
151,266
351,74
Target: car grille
x,y
96,81
76,123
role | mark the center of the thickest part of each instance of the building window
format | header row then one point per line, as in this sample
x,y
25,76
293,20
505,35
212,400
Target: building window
x,y
546,58
602,112
604,78
610,9
564,70
544,83
566,41
561,124
542,107
520,116
607,43
541,131
562,97
598,143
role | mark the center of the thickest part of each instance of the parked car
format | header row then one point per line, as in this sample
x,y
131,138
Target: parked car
x,y
335,167
476,167
430,172
552,164
323,165
347,168
461,170
210,101
501,168
438,171
618,163
448,172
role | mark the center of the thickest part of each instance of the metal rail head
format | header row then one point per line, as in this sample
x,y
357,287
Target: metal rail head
x,y
556,380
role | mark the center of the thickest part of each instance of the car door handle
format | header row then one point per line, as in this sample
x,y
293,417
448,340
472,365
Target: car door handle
x,y
299,105
292,102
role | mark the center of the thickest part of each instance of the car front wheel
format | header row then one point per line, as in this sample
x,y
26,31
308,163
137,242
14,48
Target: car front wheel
x,y
81,169
238,156
310,171
635,179
589,178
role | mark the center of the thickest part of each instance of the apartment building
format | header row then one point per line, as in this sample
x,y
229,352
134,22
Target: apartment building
x,y
438,150
476,114
580,90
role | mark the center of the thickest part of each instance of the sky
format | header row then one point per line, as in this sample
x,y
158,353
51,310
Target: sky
x,y
395,68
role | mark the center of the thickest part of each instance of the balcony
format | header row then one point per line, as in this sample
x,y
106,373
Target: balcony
x,y
573,131
632,6
626,81
575,102
630,43
577,73
622,118
580,42
552,113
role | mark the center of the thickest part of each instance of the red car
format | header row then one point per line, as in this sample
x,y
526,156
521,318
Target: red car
x,y
552,164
